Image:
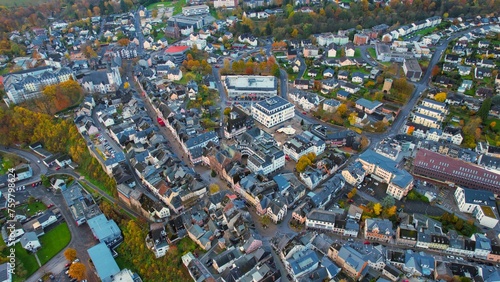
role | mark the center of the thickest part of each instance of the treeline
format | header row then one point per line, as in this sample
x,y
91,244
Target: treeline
x,y
21,126
362,14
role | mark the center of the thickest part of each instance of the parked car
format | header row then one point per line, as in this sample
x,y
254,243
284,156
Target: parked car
x,y
49,206
58,168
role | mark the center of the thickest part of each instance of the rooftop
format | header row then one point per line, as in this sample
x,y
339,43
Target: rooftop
x,y
103,261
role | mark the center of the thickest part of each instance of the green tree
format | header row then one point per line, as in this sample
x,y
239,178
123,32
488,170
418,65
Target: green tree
x,y
484,109
388,201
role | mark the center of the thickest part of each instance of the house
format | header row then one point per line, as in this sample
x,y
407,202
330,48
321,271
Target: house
x,y
301,84
343,75
156,239
29,241
328,73
310,51
450,58
45,220
349,50
378,229
367,106
348,259
343,95
357,77
331,105
464,70
302,262
350,88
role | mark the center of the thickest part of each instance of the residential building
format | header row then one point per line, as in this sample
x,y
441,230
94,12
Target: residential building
x,y
350,260
455,171
382,168
301,145
250,86
28,84
481,204
264,156
225,4
368,106
354,174
331,105
6,272
412,69
273,111
102,81
378,229
237,123
29,241
156,239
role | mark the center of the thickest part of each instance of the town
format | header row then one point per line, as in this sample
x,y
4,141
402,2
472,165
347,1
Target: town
x,y
198,141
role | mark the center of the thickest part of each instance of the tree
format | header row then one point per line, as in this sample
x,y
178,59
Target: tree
x,y
214,188
227,111
377,208
352,118
154,13
70,254
77,270
353,193
484,109
390,211
440,97
294,33
493,124
305,161
126,85
342,110
435,70
364,141
388,201
123,42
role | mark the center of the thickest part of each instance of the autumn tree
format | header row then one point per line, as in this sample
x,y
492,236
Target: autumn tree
x,y
364,142
154,13
352,118
213,188
353,193
390,211
305,161
342,110
435,70
70,254
440,97
77,270
377,208
123,42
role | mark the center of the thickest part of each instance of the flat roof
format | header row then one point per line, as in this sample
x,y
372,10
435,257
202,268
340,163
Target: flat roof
x,y
412,65
103,261
251,82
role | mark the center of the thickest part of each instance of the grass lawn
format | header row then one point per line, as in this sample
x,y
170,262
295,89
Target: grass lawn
x,y
178,6
28,261
372,53
53,242
497,121
357,53
426,31
31,209
8,161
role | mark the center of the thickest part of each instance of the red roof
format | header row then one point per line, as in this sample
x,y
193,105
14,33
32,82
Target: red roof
x,y
176,49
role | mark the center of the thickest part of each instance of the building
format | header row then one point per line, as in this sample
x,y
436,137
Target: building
x,y
301,145
412,69
29,241
481,204
177,53
251,86
105,230
237,123
264,155
156,240
28,84
195,10
385,170
273,111
225,4
103,261
368,106
23,171
378,229
6,271
354,174
102,81
455,171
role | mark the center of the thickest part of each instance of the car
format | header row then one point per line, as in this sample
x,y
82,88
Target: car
x,y
33,185
58,168
67,272
350,201
49,206
38,161
76,260
304,113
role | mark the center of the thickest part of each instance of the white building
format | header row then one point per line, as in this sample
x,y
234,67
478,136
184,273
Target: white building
x,y
273,111
481,204
251,86
225,4
301,145
195,10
